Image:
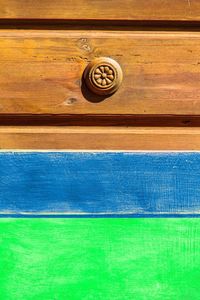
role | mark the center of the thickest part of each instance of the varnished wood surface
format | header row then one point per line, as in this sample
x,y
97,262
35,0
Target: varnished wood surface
x,y
41,71
94,9
99,138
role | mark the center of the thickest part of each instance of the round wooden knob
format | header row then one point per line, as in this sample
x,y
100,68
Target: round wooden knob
x,y
103,76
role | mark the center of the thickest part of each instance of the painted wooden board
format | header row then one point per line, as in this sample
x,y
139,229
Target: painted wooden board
x,y
41,72
87,259
99,184
94,10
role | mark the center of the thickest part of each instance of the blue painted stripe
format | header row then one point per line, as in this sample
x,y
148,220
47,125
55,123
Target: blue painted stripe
x,y
99,184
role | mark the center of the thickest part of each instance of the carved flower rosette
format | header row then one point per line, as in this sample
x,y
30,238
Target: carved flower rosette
x,y
103,76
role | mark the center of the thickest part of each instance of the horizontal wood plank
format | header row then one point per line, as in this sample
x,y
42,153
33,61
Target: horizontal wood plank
x,y
41,71
99,183
103,138
83,259
103,10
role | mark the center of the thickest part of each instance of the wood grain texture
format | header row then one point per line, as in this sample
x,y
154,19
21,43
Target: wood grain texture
x,y
99,138
120,259
102,184
41,71
110,10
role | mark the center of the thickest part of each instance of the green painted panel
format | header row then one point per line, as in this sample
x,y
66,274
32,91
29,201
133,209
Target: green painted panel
x,y
92,259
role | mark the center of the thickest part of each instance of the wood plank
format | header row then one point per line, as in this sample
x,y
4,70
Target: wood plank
x,y
102,10
99,184
138,257
41,71
95,138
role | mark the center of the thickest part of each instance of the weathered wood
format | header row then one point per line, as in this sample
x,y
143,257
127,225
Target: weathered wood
x,y
84,259
97,138
92,10
101,184
41,71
